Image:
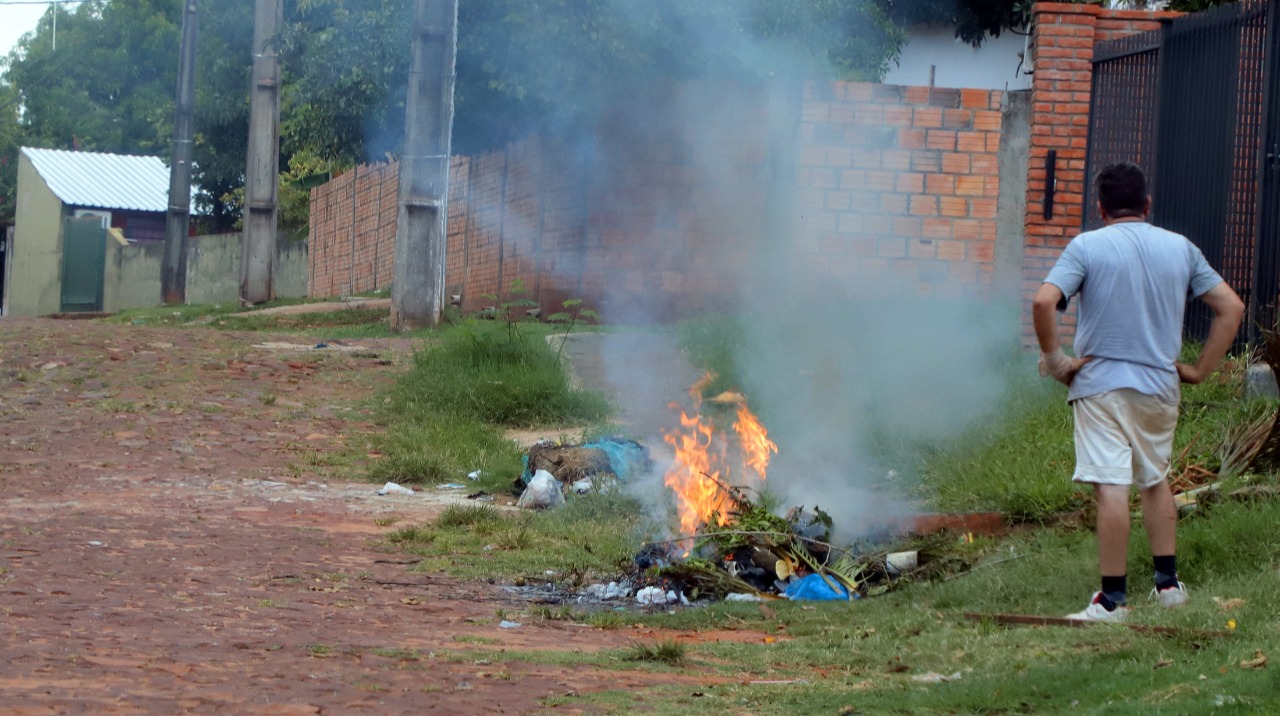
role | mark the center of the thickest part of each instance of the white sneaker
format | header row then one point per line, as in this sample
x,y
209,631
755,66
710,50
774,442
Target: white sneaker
x,y
1171,597
1095,612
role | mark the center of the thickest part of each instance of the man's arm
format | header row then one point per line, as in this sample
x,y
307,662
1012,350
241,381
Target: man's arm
x,y
1228,309
1045,319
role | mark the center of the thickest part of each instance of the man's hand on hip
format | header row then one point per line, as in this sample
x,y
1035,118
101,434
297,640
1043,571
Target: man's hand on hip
x,y
1061,367
1188,374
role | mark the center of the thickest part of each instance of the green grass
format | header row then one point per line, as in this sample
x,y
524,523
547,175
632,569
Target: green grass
x,y
667,651
436,449
860,657
864,653
446,415
479,372
592,538
1022,463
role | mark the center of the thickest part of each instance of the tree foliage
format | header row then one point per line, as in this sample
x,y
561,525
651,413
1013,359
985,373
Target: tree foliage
x,y
523,65
975,20
548,65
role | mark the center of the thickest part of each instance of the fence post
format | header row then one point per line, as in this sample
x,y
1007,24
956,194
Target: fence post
x,y
1265,247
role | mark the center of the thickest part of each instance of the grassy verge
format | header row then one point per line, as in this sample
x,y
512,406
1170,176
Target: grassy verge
x,y
586,541
913,650
1022,464
889,655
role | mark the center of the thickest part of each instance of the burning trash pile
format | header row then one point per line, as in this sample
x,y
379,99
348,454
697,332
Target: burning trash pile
x,y
729,542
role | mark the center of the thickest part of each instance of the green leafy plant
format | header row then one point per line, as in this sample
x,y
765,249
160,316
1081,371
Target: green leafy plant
x,y
515,310
572,313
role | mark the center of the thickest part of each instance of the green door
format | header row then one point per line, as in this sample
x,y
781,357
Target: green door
x,y
84,258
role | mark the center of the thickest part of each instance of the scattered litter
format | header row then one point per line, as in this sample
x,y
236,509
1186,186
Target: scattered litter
x,y
655,595
300,347
392,488
776,682
509,625
1229,604
612,590
816,587
94,543
480,497
451,486
542,493
743,597
474,475
1259,661
934,677
898,563
583,486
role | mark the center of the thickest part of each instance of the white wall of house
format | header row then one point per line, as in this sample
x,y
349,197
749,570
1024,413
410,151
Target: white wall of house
x,y
958,64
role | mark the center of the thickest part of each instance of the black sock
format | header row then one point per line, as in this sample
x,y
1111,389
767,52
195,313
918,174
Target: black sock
x,y
1113,592
1166,571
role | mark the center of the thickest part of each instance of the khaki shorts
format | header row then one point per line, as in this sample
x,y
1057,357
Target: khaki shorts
x,y
1123,437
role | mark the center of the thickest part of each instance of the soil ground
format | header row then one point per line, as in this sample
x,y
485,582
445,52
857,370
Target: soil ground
x,y
178,535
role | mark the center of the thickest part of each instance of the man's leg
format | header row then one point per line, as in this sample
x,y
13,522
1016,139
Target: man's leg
x,y
1113,529
1152,429
1113,543
1104,459
1160,516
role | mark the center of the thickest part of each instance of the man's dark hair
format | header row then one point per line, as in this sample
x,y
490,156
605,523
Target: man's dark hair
x,y
1122,190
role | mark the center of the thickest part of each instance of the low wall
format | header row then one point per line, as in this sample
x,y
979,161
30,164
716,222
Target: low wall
x,y
213,272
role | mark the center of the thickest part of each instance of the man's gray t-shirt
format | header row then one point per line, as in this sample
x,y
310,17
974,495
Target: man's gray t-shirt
x,y
1134,281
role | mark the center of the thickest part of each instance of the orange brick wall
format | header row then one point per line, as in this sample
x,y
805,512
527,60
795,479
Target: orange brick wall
x,y
1065,34
901,181
893,180
354,216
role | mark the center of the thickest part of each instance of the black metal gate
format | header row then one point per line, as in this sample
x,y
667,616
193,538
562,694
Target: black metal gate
x,y
1187,103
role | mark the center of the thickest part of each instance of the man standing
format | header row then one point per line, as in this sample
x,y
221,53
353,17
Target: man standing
x,y
1134,281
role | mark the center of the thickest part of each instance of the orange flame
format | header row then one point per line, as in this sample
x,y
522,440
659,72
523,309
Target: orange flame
x,y
696,473
701,470
756,444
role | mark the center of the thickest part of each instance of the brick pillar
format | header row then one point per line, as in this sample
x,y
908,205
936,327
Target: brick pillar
x,y
1064,37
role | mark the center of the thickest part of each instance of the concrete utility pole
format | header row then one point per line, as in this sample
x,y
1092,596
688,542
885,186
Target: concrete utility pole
x,y
173,275
417,291
262,173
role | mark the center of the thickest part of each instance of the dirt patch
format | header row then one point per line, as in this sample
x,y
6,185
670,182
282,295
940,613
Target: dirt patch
x,y
182,534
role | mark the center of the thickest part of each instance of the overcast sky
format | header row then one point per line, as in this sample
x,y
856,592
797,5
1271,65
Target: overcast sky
x,y
16,21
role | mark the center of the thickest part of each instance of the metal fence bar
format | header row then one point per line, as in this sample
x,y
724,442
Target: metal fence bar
x,y
1266,276
1122,118
1185,102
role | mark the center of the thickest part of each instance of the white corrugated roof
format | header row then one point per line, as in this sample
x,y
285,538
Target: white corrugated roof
x,y
104,181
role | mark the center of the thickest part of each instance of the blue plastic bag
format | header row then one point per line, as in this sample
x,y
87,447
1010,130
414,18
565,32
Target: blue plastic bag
x,y
814,588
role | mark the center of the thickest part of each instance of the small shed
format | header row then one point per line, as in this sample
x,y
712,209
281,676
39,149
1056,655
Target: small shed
x,y
72,209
